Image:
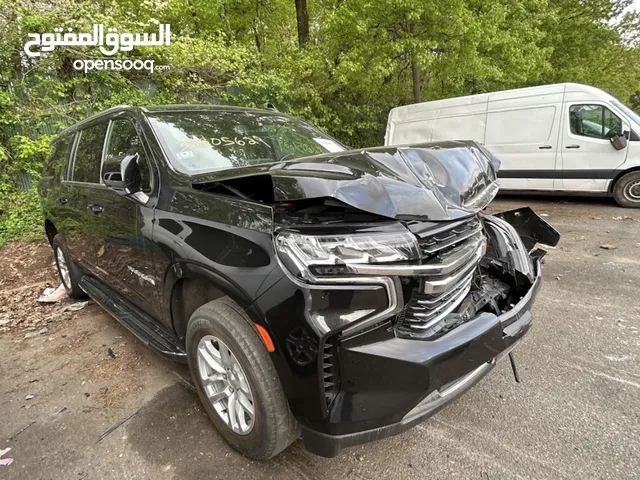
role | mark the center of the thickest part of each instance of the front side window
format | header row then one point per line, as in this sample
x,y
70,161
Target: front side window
x,y
200,141
124,140
86,167
595,121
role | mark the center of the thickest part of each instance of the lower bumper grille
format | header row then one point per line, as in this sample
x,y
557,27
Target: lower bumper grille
x,y
330,380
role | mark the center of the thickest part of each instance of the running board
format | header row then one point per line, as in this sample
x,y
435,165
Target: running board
x,y
148,330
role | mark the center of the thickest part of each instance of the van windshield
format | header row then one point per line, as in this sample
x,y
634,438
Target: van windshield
x,y
627,111
202,141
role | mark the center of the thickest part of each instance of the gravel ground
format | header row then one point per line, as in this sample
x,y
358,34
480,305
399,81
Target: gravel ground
x,y
576,413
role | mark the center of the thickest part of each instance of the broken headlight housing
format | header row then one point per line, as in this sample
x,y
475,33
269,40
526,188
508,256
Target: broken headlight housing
x,y
310,256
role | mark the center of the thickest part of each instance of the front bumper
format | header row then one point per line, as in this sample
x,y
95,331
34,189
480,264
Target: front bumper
x,y
397,383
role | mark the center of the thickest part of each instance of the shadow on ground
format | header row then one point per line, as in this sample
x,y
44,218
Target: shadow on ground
x,y
173,432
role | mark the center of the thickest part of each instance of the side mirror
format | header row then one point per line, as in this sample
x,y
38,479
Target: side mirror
x,y
123,176
619,142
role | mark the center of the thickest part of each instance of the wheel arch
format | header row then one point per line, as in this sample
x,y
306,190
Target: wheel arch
x,y
190,285
620,175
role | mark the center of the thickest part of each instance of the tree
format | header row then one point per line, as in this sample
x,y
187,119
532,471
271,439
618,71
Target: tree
x,y
592,42
340,64
302,18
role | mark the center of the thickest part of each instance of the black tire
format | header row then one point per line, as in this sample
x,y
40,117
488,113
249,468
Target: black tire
x,y
274,427
626,189
74,272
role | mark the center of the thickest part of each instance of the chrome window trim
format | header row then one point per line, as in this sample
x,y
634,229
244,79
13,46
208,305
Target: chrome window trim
x,y
72,158
88,184
105,145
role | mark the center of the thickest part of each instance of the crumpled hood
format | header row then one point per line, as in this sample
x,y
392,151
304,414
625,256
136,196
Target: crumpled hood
x,y
430,181
434,181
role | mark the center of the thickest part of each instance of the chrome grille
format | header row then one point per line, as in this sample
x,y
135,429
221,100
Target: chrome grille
x,y
453,251
448,235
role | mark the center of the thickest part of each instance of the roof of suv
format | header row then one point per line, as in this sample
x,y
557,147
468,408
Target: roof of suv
x,y
163,108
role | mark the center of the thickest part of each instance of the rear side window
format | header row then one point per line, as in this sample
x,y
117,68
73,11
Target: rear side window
x,y
59,158
86,167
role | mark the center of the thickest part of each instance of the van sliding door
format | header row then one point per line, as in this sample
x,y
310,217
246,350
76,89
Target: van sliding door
x,y
525,139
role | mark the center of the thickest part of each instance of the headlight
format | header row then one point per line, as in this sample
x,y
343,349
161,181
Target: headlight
x,y
308,256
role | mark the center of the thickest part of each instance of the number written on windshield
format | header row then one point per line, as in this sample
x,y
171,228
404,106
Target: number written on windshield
x,y
218,141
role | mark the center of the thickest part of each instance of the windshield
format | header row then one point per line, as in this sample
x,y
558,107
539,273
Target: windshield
x,y
630,113
202,141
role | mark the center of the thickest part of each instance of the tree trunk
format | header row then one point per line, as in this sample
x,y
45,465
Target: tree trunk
x,y
415,71
256,36
302,18
194,16
415,77
256,26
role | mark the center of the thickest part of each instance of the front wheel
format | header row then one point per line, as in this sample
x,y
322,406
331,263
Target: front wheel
x,y
70,275
237,382
626,191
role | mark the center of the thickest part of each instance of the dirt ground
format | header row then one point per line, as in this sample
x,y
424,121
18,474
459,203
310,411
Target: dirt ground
x,y
68,378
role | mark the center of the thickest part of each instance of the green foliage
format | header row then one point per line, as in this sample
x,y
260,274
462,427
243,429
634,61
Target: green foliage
x,y
362,59
20,214
21,217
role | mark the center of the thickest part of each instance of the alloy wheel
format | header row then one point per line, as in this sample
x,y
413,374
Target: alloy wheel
x,y
63,268
225,384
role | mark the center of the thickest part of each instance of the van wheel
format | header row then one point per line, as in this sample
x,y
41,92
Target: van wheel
x,y
626,191
69,273
237,382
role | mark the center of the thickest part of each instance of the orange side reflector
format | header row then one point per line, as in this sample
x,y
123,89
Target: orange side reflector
x,y
266,339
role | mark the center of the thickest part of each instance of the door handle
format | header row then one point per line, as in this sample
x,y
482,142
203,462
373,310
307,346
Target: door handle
x,y
572,146
63,200
95,209
545,147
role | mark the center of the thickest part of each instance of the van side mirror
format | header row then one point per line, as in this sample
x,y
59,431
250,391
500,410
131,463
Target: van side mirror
x,y
123,176
619,142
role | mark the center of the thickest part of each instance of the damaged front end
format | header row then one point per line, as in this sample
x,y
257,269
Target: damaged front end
x,y
407,292
437,275
468,267
441,262
410,315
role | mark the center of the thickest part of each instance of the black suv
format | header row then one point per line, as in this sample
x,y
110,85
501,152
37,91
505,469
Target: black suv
x,y
342,294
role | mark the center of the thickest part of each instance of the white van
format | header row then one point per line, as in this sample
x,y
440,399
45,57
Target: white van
x,y
565,137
